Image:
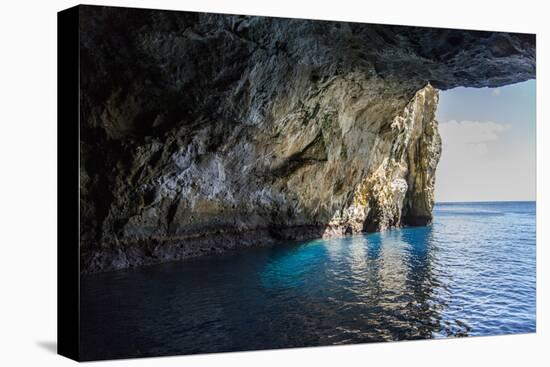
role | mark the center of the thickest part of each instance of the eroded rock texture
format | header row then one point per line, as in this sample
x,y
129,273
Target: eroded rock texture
x,y
203,132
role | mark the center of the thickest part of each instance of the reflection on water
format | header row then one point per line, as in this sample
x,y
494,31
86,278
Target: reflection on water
x,y
471,273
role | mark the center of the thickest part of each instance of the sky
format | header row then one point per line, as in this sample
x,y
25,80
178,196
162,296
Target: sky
x,y
489,144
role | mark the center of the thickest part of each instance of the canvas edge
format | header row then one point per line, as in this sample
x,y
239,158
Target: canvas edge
x,y
68,160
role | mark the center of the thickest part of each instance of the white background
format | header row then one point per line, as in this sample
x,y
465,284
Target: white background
x,y
28,183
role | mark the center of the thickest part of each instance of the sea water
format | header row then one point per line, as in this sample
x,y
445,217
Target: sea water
x,y
472,272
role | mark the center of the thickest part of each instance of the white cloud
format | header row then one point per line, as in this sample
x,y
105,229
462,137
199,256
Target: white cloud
x,y
479,161
471,134
496,92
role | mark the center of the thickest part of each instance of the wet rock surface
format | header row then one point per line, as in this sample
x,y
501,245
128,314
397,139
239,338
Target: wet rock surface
x,y
202,132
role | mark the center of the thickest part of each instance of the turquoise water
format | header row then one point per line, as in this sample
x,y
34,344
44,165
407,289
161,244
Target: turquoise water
x,y
470,273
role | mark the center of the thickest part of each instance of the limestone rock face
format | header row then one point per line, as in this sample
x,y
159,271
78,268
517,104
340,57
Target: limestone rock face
x,y
202,133
399,185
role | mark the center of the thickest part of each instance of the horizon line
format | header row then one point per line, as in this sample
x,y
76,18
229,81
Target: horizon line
x,y
486,201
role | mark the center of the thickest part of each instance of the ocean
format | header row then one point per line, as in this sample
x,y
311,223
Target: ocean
x,y
471,273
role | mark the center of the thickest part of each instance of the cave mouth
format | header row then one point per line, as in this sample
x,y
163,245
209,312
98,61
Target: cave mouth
x,y
245,130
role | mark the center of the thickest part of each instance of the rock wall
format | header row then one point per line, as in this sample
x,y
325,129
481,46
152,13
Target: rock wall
x,y
399,183
202,133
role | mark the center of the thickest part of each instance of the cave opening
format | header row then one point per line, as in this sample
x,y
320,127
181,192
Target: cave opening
x,y
275,136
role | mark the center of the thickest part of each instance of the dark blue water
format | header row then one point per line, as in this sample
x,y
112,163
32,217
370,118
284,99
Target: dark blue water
x,y
470,273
